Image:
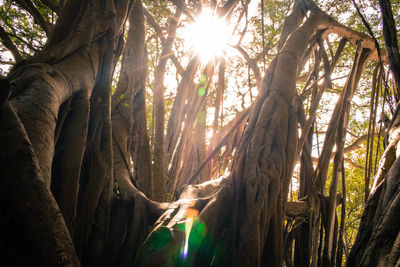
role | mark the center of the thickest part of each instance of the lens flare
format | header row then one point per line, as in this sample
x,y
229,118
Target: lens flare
x,y
190,215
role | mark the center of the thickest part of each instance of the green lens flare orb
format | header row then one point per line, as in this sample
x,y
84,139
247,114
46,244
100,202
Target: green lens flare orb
x,y
202,91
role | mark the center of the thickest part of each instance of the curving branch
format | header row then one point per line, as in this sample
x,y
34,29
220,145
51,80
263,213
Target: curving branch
x,y
12,33
37,17
8,43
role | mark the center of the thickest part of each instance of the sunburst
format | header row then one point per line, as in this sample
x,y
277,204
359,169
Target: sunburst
x,y
208,36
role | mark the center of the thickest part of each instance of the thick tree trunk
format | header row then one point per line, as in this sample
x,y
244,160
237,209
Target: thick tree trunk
x,y
41,238
128,107
70,70
376,243
391,44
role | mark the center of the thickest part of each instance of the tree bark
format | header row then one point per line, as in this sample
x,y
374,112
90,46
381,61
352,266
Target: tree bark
x,y
159,190
41,238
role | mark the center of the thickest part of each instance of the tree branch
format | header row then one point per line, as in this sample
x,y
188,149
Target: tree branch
x,y
356,143
227,7
28,44
37,17
5,62
8,43
160,35
182,6
218,147
252,64
52,5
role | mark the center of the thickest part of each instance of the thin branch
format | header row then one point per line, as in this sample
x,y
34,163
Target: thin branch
x,y
251,63
5,62
27,43
356,144
227,8
327,68
160,35
52,5
182,6
218,147
8,43
347,160
266,48
378,49
37,17
243,32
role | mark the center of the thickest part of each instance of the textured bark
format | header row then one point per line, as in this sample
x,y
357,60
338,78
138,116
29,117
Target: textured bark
x,y
375,244
41,238
66,71
159,191
174,125
341,124
392,47
128,106
96,183
141,146
305,242
67,163
131,211
189,154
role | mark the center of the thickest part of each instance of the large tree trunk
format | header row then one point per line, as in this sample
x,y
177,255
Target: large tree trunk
x,y
50,95
376,243
41,238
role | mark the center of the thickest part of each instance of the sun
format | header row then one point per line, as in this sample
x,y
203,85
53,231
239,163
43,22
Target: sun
x,y
208,36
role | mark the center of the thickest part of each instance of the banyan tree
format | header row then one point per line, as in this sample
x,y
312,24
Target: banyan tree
x,y
86,181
